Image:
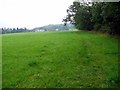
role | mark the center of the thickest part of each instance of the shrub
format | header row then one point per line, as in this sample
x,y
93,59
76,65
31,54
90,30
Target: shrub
x,y
97,26
105,28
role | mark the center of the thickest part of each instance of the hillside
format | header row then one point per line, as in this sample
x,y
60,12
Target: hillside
x,y
55,27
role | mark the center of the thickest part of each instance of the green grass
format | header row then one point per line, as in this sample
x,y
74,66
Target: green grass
x,y
59,59
0,61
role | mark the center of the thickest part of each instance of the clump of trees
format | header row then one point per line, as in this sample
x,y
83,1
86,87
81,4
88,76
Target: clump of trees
x,y
13,30
99,16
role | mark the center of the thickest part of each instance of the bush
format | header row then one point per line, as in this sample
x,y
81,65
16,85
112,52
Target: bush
x,y
97,26
105,28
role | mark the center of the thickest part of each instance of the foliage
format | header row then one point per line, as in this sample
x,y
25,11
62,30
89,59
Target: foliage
x,y
13,30
95,15
80,15
111,16
97,26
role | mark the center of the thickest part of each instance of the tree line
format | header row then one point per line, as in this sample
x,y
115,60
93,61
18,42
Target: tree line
x,y
98,16
13,30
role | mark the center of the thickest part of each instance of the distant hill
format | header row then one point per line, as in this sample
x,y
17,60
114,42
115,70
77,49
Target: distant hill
x,y
54,27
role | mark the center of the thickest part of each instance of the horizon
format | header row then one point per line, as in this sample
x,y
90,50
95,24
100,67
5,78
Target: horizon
x,y
32,13
33,27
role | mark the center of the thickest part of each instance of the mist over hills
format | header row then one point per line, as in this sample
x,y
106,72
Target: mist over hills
x,y
55,27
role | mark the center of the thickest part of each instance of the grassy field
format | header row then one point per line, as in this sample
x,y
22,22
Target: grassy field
x,y
59,59
0,61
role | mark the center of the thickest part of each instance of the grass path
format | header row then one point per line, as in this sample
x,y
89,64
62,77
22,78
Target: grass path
x,y
59,59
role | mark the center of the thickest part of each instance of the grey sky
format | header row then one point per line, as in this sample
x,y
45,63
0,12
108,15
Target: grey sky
x,y
32,13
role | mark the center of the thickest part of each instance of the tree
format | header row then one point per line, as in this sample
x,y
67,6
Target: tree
x,y
111,16
100,16
79,14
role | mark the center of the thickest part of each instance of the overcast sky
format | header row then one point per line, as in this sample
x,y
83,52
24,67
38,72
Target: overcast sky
x,y
32,13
